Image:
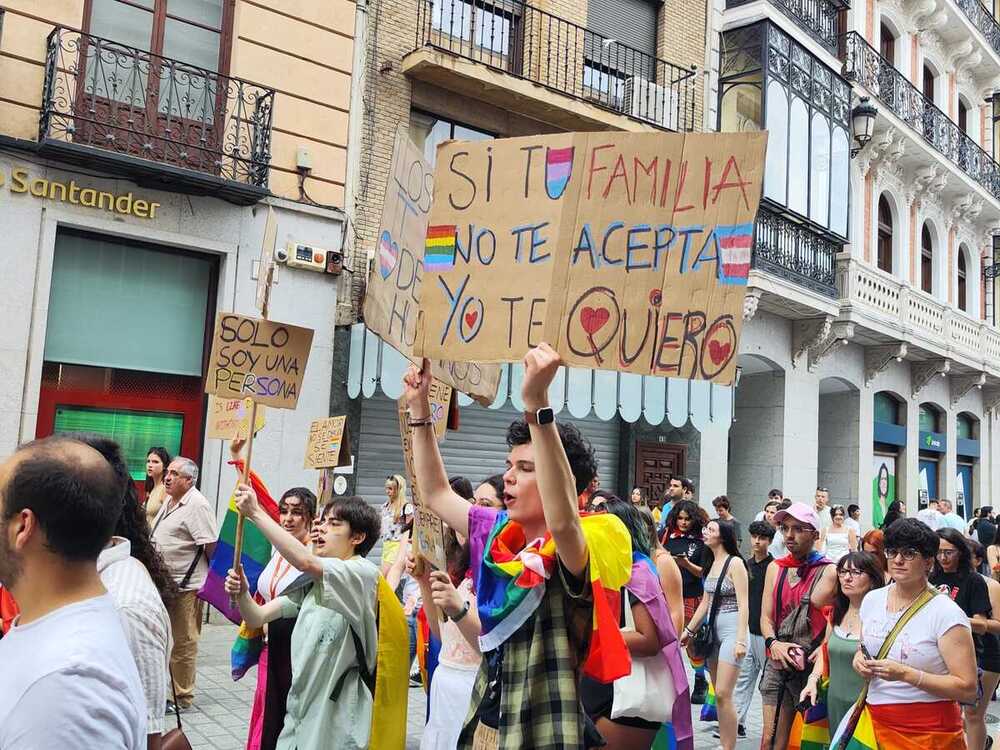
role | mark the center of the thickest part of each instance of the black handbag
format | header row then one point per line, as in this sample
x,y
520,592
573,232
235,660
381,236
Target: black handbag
x,y
703,642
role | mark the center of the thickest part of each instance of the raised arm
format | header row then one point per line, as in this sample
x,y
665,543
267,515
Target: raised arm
x,y
428,467
556,484
287,545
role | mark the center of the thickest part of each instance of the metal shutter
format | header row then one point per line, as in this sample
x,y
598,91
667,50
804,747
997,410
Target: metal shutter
x,y
631,22
475,451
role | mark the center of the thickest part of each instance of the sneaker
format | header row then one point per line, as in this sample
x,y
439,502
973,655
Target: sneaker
x,y
700,688
741,731
415,680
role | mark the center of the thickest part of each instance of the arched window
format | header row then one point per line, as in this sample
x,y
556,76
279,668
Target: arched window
x,y
928,83
963,303
884,235
963,117
926,260
887,44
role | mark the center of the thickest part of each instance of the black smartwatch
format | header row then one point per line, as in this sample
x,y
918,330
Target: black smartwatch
x,y
545,415
768,642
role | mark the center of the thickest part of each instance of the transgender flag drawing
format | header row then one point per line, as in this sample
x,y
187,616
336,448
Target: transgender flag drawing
x,y
558,168
734,243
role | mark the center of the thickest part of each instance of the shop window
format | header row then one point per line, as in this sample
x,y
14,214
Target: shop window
x,y
887,44
926,260
884,235
963,302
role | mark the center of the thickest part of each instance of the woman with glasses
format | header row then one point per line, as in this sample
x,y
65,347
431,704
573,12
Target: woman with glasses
x,y
838,538
857,574
954,575
931,659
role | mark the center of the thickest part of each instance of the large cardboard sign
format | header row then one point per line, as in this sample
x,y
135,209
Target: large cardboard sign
x,y
428,530
624,251
328,445
258,359
229,418
392,296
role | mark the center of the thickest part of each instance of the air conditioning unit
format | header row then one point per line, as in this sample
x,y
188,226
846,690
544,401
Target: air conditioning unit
x,y
651,102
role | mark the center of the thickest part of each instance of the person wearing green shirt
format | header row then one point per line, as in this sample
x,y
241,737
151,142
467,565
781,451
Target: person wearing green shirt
x,y
336,613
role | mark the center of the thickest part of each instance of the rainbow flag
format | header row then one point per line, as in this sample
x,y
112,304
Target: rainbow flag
x,y
256,551
709,710
811,728
860,736
439,248
735,243
246,650
665,739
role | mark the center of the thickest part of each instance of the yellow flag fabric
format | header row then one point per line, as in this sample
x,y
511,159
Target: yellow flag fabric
x,y
388,730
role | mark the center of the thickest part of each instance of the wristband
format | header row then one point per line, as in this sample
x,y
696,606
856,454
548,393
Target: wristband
x,y
768,642
425,422
460,615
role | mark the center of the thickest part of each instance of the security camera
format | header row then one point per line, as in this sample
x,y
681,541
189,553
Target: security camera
x,y
280,255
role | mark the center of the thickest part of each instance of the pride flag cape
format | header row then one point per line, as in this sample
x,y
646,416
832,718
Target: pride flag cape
x,y
510,583
256,550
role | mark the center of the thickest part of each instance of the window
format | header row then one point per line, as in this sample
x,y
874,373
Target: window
x,y
429,130
491,29
604,83
884,235
963,117
887,44
185,32
888,408
929,418
962,289
926,261
928,81
965,427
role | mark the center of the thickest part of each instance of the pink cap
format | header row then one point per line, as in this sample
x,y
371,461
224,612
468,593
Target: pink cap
x,y
800,512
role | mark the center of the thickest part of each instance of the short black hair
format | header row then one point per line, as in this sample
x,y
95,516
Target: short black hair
x,y
722,502
361,517
687,484
304,494
462,487
852,507
582,461
769,503
910,532
76,498
775,494
761,528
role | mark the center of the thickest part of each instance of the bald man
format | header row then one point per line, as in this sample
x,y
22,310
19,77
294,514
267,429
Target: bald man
x,y
68,677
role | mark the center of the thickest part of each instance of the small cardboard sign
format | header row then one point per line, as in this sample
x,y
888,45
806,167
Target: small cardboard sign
x,y
328,445
428,531
624,251
441,397
229,418
392,295
259,359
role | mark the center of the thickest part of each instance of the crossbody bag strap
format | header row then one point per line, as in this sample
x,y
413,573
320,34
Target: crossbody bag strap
x,y
713,610
190,571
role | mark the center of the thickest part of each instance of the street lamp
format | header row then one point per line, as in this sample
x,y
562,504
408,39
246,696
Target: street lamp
x,y
862,124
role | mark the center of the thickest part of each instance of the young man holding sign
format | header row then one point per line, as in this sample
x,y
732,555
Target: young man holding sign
x,y
547,580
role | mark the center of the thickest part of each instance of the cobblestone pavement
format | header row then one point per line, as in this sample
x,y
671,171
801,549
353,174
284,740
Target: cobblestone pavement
x,y
222,707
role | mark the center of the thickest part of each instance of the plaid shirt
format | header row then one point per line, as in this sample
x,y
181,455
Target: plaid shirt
x,y
539,696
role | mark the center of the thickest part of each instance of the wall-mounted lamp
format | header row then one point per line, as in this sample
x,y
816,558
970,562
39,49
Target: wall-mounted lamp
x,y
862,124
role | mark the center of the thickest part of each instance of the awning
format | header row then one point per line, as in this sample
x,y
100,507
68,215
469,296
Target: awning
x,y
376,366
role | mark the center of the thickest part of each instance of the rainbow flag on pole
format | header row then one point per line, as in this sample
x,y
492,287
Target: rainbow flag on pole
x,y
256,550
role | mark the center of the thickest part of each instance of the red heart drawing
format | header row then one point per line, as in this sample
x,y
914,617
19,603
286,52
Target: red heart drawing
x,y
718,352
593,319
471,318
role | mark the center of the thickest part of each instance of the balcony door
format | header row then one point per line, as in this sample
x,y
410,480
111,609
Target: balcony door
x,y
150,78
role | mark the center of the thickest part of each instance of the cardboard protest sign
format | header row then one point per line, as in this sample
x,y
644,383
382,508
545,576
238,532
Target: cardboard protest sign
x,y
428,531
624,251
258,359
392,296
229,418
440,396
328,445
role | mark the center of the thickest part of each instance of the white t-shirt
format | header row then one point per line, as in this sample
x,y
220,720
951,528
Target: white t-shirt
x,y
851,523
825,521
916,646
69,681
930,517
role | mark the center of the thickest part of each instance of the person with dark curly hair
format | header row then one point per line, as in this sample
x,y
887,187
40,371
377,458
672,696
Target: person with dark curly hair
x,y
538,609
134,574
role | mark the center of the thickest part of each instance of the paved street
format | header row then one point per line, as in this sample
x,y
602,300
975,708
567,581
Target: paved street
x,y
219,720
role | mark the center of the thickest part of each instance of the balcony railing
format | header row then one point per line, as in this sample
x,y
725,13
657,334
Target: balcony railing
x,y
818,18
862,63
529,43
160,119
795,252
983,20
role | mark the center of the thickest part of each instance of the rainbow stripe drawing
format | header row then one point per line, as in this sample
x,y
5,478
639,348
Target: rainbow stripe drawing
x,y
558,168
439,248
734,243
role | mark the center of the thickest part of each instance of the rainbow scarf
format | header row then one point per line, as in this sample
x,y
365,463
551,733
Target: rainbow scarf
x,y
256,550
511,582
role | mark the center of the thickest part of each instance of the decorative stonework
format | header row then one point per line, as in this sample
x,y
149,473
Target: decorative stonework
x,y
921,373
809,334
877,358
750,302
840,335
991,399
962,384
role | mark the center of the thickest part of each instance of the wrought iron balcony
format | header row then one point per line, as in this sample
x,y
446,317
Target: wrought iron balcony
x,y
983,20
863,64
795,252
159,121
818,18
523,41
